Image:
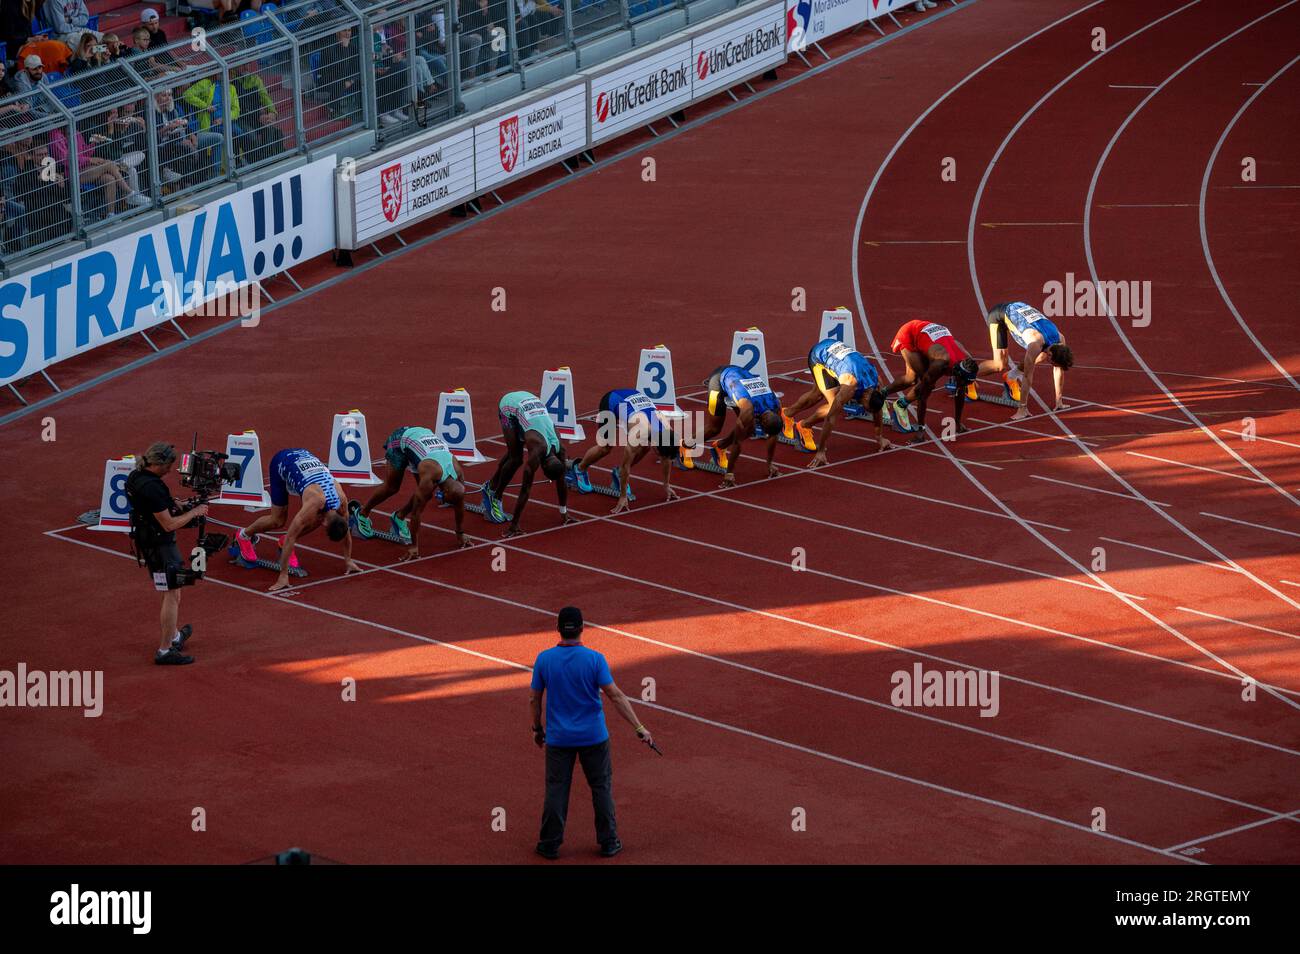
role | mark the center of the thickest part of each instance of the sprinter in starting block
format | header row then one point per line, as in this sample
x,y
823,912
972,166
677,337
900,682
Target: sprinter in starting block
x,y
1043,343
628,419
429,459
299,472
531,441
929,352
755,406
840,375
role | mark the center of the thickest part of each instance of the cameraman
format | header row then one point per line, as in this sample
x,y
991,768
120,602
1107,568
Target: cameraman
x,y
154,529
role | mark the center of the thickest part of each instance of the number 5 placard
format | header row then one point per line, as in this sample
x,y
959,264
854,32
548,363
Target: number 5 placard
x,y
350,450
456,425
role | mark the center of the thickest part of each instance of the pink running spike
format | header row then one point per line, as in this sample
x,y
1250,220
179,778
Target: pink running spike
x,y
247,547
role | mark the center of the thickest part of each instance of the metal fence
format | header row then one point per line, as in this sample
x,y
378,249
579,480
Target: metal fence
x,y
82,152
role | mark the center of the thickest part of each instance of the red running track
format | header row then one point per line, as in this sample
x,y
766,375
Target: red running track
x,y
1120,689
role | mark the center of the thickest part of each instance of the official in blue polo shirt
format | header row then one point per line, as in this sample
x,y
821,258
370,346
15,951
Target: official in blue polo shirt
x,y
572,677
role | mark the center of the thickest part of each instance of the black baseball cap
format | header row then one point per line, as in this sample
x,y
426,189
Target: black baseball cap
x,y
569,622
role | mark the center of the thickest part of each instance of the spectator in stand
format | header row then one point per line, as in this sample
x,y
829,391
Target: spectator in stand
x,y
390,82
431,45
43,194
259,137
88,54
340,72
395,37
207,101
16,22
68,19
54,54
30,78
114,47
125,143
479,25
95,170
178,141
15,210
149,64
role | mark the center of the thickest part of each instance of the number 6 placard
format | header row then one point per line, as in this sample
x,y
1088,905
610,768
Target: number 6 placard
x,y
350,450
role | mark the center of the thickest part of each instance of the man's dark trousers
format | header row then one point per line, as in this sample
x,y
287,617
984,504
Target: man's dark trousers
x,y
598,768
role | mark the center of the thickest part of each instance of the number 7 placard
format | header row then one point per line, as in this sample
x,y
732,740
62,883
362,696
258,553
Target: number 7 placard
x,y
244,451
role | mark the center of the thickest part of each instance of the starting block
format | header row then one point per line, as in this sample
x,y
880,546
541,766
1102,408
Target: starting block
x,y
350,451
235,558
114,509
244,450
478,508
972,394
782,438
557,396
392,536
707,464
654,379
606,490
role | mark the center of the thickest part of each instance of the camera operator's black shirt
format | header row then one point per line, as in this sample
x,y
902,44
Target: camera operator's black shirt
x,y
149,495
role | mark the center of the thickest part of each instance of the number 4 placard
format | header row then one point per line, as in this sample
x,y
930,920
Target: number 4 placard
x,y
557,395
350,450
456,425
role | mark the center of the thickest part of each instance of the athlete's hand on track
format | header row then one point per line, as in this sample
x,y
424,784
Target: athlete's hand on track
x,y
885,444
671,494
819,460
567,519
512,532
463,541
773,470
281,584
729,481
622,506
412,553
351,567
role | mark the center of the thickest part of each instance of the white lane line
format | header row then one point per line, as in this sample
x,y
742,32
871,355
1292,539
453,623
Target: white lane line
x,y
1256,437
875,770
1096,278
287,595
1179,463
1176,556
1098,490
1247,523
1281,696
1186,374
1013,427
1290,583
1238,622
1232,831
1128,86
785,564
1205,237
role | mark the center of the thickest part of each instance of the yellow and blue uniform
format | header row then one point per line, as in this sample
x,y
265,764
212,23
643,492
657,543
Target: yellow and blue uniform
x,y
1018,318
730,384
829,360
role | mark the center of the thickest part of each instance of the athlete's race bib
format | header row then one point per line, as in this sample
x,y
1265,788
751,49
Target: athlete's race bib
x,y
755,387
311,468
639,402
935,332
838,351
430,443
1025,313
531,409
